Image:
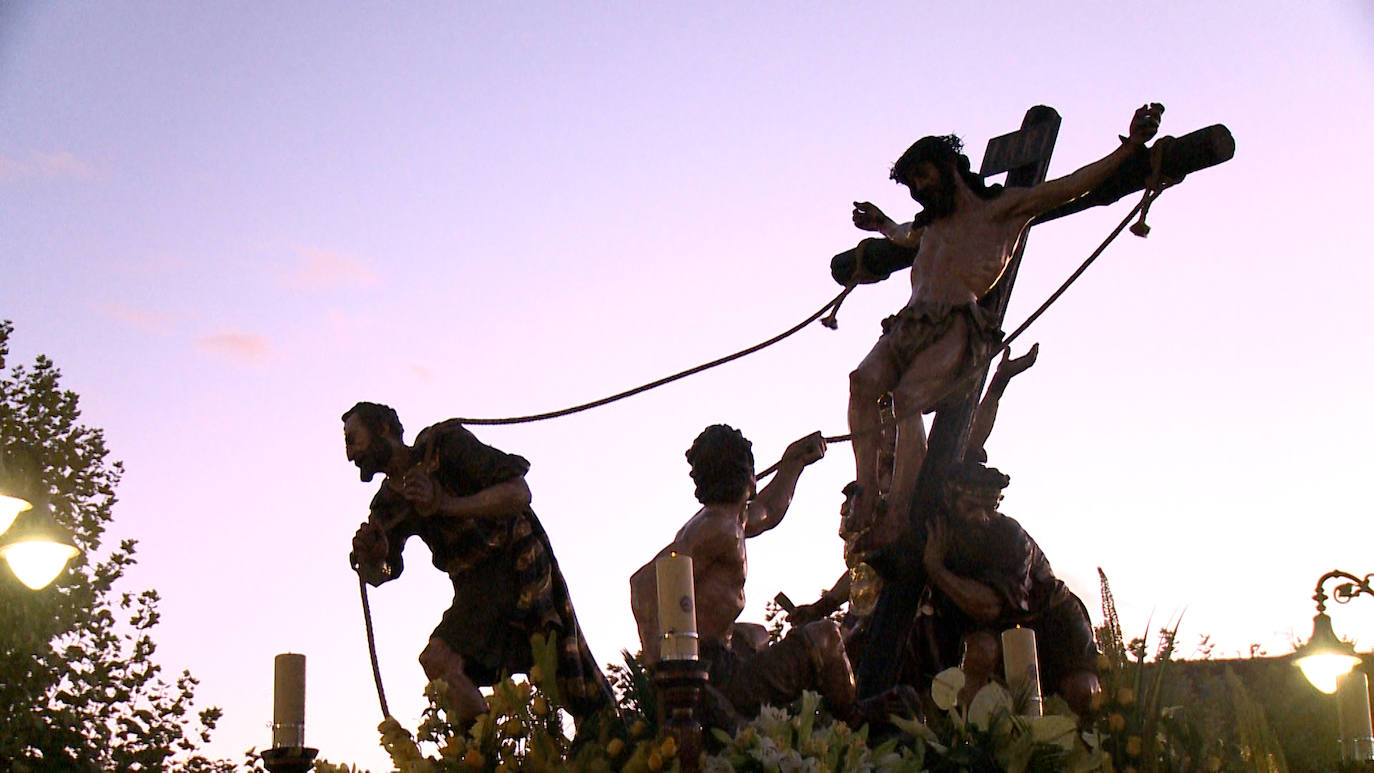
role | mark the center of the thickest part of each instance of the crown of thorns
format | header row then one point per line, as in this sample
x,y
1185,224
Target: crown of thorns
x,y
938,149
950,142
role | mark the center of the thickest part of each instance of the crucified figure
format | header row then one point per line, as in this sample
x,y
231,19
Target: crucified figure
x,y
965,236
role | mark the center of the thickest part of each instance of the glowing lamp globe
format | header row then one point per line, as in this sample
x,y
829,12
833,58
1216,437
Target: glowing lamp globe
x,y
10,508
1324,659
36,548
37,562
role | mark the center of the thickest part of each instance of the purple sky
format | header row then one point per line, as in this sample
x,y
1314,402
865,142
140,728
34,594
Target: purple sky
x,y
228,222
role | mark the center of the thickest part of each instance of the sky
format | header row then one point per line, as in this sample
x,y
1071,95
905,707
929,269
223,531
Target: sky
x,y
229,222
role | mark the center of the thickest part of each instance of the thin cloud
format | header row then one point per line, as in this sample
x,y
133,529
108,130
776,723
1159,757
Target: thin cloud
x,y
45,166
247,348
147,321
321,269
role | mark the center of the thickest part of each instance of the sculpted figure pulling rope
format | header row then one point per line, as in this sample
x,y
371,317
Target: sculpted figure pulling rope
x,y
965,235
470,505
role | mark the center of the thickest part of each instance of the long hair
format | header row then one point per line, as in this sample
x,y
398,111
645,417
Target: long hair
x,y
722,465
945,153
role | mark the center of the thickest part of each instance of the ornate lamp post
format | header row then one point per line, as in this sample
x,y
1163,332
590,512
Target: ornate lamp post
x,y
1327,662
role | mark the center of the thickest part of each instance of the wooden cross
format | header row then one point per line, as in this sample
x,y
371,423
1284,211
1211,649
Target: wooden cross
x,y
1024,155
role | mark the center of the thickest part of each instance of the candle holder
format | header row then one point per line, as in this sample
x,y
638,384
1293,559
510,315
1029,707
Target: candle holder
x,y
679,684
288,759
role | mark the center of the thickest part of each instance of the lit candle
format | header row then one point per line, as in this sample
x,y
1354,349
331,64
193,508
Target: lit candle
x,y
677,614
1352,712
1022,668
288,700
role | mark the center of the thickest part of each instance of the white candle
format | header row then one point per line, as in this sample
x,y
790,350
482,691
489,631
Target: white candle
x,y
1352,704
1022,668
677,613
288,700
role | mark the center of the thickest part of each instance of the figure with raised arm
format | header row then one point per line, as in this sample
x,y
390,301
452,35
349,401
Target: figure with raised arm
x,y
470,505
743,676
964,237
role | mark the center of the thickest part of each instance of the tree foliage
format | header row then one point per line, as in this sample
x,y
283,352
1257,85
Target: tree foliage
x,y
79,689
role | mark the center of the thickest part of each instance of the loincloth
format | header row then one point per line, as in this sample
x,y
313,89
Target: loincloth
x,y
913,329
775,675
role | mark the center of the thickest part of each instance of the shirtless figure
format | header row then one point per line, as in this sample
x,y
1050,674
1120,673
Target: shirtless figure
x,y
965,235
810,657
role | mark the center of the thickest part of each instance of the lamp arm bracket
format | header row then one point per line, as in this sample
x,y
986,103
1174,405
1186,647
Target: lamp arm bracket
x,y
1343,593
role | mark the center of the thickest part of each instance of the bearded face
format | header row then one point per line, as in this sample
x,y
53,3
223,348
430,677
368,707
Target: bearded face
x,y
935,192
372,459
366,449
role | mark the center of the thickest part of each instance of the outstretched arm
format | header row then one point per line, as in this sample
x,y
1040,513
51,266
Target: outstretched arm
x,y
1028,203
868,217
767,509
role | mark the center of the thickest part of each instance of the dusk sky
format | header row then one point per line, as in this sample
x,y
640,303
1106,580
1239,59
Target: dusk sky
x,y
228,222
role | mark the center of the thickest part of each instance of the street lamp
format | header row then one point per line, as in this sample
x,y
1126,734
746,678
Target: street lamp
x,y
36,547
1327,662
31,541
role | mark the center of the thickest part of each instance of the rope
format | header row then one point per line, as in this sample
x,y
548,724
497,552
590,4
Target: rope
x,y
833,305
1151,193
834,302
371,639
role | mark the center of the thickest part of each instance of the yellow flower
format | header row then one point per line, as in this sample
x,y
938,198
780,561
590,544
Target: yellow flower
x,y
437,689
474,759
669,747
1133,746
454,749
615,747
536,674
1213,764
523,690
496,704
1116,723
1125,696
510,728
540,706
638,728
655,761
